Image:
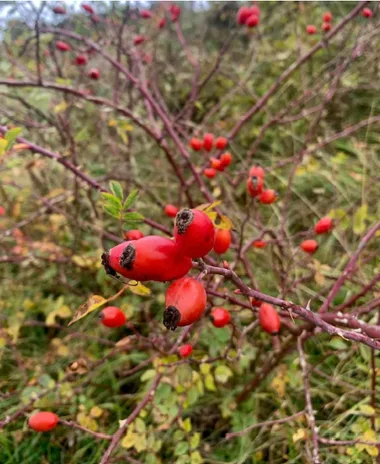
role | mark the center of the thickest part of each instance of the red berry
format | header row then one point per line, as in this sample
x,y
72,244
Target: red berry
x,y
43,421
326,27
259,244
221,143
309,246
175,12
268,196
243,14
323,225
220,317
216,164
254,185
311,29
62,46
257,171
269,319
209,172
256,303
59,10
145,14
208,142
171,210
327,17
139,39
162,23
133,234
2,211
252,21
255,10
93,74
80,60
185,350
112,317
149,258
222,241
367,13
185,302
88,8
226,159
196,144
194,233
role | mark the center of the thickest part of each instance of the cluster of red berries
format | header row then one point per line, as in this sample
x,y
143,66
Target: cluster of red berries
x,y
61,10
327,18
255,186
208,143
323,226
248,16
80,60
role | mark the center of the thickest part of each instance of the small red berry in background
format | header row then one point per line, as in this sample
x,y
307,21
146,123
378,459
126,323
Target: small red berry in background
x,y
256,171
309,246
268,196
196,144
255,10
226,159
94,74
194,233
323,225
216,164
185,302
2,211
134,234
255,302
259,244
311,29
221,143
81,60
185,350
43,421
209,172
208,142
367,13
243,14
175,12
88,8
139,39
254,185
171,210
162,23
220,317
269,319
112,317
222,241
326,27
62,46
327,17
145,14
252,21
59,10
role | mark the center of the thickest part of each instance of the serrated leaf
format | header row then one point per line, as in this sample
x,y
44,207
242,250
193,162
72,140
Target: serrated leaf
x,y
112,211
186,425
111,200
147,375
223,373
138,288
11,136
360,217
116,189
131,198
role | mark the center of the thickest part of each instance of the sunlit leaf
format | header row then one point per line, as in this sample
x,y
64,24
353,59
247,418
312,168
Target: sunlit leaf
x,y
131,198
116,189
138,288
94,302
360,217
11,136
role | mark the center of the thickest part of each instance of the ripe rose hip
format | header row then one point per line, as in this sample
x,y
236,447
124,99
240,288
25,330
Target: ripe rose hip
x,y
255,10
171,210
326,27
139,39
59,10
254,185
221,143
309,246
256,171
208,142
243,14
2,211
323,225
222,241
327,17
145,14
88,8
112,317
311,29
220,317
268,196
226,159
209,172
367,13
62,46
162,23
259,244
80,60
93,74
175,12
252,21
149,258
196,144
185,350
216,164
134,234
255,302
194,233
43,421
269,319
185,302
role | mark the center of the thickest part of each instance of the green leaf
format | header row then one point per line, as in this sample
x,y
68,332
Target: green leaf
x,y
186,425
116,189
209,382
112,211
223,373
11,136
111,200
181,448
195,440
133,217
360,217
147,375
131,198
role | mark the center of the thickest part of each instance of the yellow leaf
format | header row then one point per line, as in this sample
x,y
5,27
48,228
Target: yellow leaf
x,y
301,434
93,303
138,288
63,351
3,146
367,409
196,458
129,440
216,192
16,210
112,122
209,382
3,342
60,107
220,221
96,412
207,207
319,278
186,425
87,421
140,442
64,312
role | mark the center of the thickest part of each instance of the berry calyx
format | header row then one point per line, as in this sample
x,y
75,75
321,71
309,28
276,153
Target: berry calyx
x,y
327,17
88,8
311,29
171,210
259,244
221,143
185,302
226,159
80,60
252,21
62,46
309,246
255,185
112,317
323,225
185,350
208,142
220,317
196,144
268,196
326,27
43,421
367,13
222,241
134,234
194,233
93,74
255,302
269,319
210,173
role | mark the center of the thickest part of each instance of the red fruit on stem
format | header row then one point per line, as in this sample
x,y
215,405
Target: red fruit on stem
x,y
62,46
254,185
221,143
80,60
139,39
112,317
185,350
268,196
226,159
327,17
88,8
222,241
326,27
259,244
134,234
309,246
243,14
311,29
209,172
2,211
171,210
93,74
145,14
216,164
175,12
162,23
255,302
196,144
185,302
252,21
43,421
257,171
208,142
194,233
269,319
367,13
255,10
149,258
323,225
220,317
59,10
